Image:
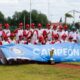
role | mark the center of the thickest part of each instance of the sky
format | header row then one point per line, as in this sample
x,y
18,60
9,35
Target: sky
x,y
54,9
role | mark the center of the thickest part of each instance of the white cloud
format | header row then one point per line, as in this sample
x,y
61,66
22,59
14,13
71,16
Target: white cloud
x,y
8,1
57,8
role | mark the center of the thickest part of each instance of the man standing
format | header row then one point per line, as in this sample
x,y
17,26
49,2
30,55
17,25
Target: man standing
x,y
40,30
34,38
74,34
7,30
19,31
49,32
27,33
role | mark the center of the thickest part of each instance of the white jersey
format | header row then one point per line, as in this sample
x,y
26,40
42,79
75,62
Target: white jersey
x,y
74,35
40,32
19,32
34,37
1,32
32,30
49,32
28,33
7,32
64,32
54,32
60,34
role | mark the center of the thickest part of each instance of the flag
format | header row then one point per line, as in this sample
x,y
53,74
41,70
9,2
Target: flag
x,y
60,20
63,52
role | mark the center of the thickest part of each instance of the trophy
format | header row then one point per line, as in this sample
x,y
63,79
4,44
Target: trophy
x,y
51,56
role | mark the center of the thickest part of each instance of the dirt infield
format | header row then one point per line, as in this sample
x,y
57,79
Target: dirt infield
x,y
67,65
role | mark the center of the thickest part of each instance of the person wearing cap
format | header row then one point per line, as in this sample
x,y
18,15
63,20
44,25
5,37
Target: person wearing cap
x,y
49,32
54,30
12,38
52,41
64,38
34,38
41,40
5,40
60,31
7,30
65,27
27,33
19,31
45,35
70,39
74,34
65,30
32,25
21,40
40,30
56,38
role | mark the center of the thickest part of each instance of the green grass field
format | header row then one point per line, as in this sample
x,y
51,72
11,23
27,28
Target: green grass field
x,y
37,72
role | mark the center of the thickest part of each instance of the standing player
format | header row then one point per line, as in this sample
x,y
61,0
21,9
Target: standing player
x,y
7,30
40,30
60,31
34,38
27,33
54,30
49,32
65,30
74,34
19,31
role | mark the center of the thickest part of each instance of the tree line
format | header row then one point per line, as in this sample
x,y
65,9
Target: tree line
x,y
18,17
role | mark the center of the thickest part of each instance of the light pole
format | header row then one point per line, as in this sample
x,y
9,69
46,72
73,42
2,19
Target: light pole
x,y
48,9
24,22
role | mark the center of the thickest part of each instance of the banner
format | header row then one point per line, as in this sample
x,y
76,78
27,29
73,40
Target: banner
x,y
63,52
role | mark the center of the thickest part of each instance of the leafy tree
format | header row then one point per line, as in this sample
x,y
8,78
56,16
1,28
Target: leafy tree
x,y
20,16
2,20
